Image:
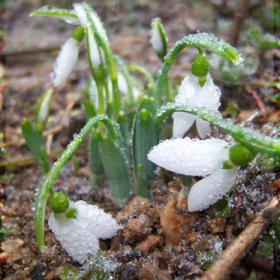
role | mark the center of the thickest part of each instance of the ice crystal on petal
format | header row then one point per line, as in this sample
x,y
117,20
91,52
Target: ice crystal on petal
x,y
79,236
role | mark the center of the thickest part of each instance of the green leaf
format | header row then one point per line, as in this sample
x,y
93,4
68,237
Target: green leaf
x,y
116,167
36,143
63,14
96,165
89,108
221,208
146,134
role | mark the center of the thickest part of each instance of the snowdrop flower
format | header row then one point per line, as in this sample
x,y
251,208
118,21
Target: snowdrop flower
x,y
67,57
191,93
198,158
79,236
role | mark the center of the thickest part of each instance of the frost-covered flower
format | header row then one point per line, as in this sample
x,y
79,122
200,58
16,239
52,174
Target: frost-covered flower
x,y
67,57
195,157
79,236
191,93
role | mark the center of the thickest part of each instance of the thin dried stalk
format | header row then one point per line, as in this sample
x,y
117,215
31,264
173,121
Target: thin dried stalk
x,y
238,248
239,17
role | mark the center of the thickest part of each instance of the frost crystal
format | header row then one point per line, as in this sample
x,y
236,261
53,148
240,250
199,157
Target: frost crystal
x,y
66,61
79,236
191,93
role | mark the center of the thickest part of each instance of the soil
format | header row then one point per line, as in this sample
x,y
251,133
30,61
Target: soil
x,y
160,239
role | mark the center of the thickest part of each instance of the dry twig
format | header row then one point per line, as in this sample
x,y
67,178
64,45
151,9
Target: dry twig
x,y
237,249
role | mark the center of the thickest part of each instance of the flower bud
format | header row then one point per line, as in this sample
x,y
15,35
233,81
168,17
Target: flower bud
x,y
200,65
58,202
67,57
239,155
158,38
43,111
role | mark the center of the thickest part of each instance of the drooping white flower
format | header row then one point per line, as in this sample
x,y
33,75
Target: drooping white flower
x,y
191,93
79,236
65,61
195,157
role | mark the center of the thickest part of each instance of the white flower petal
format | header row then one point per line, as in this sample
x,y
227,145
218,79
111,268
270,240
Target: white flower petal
x,y
203,128
191,93
182,123
189,156
66,61
99,222
189,87
208,190
79,236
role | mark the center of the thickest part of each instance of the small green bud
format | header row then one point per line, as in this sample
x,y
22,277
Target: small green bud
x,y
239,155
200,65
71,213
145,115
58,202
78,34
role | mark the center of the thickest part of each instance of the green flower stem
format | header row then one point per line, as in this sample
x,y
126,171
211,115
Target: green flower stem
x,y
127,78
249,138
199,40
168,97
145,73
102,39
46,186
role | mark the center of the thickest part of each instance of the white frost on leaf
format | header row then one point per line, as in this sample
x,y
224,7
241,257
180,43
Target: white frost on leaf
x,y
211,188
65,61
79,236
191,93
190,156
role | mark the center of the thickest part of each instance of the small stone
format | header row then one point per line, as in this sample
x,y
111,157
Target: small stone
x,y
11,247
172,224
137,205
149,244
137,229
217,224
3,257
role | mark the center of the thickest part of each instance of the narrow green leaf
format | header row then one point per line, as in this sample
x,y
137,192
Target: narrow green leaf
x,y
89,108
63,14
96,165
116,167
145,136
34,139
